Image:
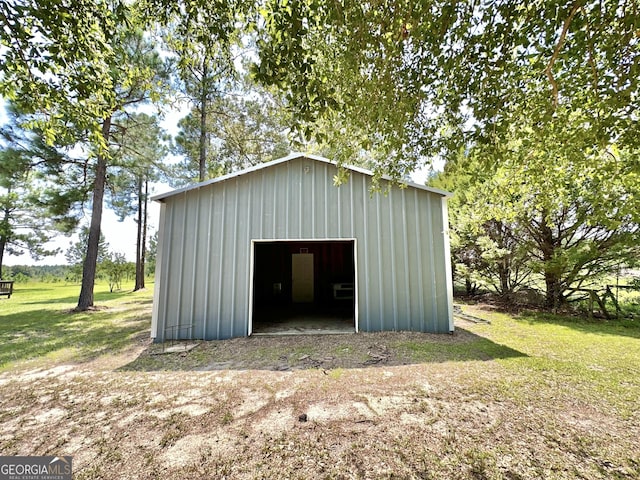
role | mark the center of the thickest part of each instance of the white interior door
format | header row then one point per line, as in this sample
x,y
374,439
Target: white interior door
x,y
302,277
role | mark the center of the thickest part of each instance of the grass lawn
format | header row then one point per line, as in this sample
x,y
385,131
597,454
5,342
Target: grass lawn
x,y
36,325
529,396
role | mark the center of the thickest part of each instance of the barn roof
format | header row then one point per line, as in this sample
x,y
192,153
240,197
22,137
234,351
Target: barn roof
x,y
292,156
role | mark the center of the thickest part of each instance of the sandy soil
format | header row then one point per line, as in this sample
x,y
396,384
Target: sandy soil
x,y
358,406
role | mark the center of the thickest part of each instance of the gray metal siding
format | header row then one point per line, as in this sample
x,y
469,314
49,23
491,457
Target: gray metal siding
x,y
203,280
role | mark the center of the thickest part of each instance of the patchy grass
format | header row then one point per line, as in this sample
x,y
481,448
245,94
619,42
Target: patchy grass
x,y
592,359
527,397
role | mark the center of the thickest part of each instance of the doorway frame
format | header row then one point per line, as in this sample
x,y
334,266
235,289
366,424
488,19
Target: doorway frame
x,y
252,253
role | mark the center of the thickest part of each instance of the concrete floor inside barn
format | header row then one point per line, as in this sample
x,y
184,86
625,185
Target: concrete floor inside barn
x,y
299,320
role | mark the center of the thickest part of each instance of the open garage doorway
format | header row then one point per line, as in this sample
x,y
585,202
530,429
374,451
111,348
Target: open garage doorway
x,y
303,287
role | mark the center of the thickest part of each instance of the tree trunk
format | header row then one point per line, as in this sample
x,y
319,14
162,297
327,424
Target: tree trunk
x,y
145,216
553,297
3,238
504,272
203,123
91,259
552,277
142,233
138,285
3,243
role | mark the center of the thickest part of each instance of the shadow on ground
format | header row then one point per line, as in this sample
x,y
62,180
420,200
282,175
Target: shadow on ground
x,y
73,300
619,327
295,352
89,335
625,327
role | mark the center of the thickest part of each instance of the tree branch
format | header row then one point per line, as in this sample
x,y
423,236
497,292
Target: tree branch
x,y
556,52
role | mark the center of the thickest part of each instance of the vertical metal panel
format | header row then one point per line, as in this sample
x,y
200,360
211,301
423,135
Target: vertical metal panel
x,y
375,229
356,290
286,204
246,203
442,277
417,256
282,196
206,262
220,260
328,213
367,238
299,198
204,270
159,293
447,262
179,257
333,214
404,245
196,243
169,295
271,200
262,204
394,255
231,271
311,202
228,260
354,206
430,287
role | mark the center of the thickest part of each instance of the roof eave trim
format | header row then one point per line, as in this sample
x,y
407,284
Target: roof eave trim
x,y
162,196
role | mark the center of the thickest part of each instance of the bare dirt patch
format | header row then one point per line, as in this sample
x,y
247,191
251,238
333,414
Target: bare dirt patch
x,y
388,405
293,352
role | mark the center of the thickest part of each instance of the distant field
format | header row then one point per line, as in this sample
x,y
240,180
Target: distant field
x,y
531,396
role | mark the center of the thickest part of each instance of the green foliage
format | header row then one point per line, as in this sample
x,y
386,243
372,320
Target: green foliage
x,y
20,278
545,208
233,123
77,251
152,253
416,79
204,45
78,71
138,72
244,126
116,268
37,273
21,225
139,146
27,221
539,97
58,180
426,78
58,61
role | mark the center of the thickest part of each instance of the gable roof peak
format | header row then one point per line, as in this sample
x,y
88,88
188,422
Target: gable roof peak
x,y
288,158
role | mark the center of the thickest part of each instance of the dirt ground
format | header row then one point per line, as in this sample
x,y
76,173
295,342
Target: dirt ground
x,y
345,406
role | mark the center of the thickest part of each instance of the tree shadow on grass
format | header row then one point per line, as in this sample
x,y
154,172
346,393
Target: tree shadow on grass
x,y
18,289
621,327
85,335
98,297
295,352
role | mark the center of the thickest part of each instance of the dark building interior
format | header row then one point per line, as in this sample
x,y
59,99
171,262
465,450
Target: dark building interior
x,y
303,286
